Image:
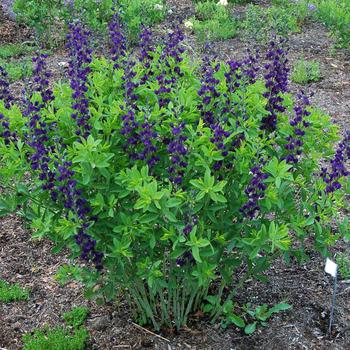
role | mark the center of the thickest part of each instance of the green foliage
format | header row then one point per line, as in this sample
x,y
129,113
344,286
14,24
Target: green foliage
x,y
9,293
260,22
56,339
206,10
94,14
44,17
137,12
343,261
15,50
304,72
49,18
213,22
18,69
251,318
335,14
76,317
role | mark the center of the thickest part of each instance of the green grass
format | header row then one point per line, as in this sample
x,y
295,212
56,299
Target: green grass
x,y
12,292
56,339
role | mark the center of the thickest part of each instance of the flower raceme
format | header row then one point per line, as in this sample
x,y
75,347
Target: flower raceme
x,y
80,57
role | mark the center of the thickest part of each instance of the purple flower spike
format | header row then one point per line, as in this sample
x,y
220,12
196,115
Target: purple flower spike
x,y
5,94
338,165
294,142
80,57
118,50
276,81
254,192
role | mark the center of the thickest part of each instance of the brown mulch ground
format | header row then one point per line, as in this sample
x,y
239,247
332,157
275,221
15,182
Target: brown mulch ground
x,y
31,264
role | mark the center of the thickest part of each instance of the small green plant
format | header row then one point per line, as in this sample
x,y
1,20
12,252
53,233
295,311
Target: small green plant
x,y
56,339
343,261
213,22
17,69
76,317
251,317
13,292
304,72
206,10
261,314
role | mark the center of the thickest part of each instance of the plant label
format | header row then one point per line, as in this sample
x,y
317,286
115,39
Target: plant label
x,y
331,267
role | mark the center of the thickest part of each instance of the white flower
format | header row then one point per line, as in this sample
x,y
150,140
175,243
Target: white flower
x,y
222,3
158,7
188,24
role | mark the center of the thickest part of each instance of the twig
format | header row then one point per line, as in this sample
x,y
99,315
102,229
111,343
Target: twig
x,y
147,331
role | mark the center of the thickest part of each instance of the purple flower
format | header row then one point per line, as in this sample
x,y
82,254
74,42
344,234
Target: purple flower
x,y
177,151
254,191
5,94
80,57
118,49
294,142
276,81
337,165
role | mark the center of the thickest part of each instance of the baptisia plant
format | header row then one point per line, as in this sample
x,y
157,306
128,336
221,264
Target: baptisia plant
x,y
178,180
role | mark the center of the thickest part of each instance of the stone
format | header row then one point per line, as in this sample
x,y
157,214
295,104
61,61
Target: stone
x,y
7,8
99,323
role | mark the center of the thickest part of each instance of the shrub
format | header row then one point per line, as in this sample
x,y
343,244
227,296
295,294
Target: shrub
x,y
172,176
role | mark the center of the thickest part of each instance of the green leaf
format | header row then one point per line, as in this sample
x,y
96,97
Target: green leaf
x,y
236,320
250,328
280,307
195,253
173,202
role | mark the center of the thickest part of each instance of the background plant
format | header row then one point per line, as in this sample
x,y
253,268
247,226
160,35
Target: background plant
x,y
261,22
169,175
50,18
336,16
304,71
14,292
213,22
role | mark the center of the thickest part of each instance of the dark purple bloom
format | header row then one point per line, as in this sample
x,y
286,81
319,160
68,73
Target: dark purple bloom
x,y
337,165
254,191
276,81
177,151
5,94
294,142
116,32
80,57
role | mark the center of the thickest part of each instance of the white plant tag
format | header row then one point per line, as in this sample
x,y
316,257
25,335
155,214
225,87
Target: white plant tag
x,y
331,267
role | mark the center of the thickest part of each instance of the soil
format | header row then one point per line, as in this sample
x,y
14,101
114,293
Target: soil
x,y
305,286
